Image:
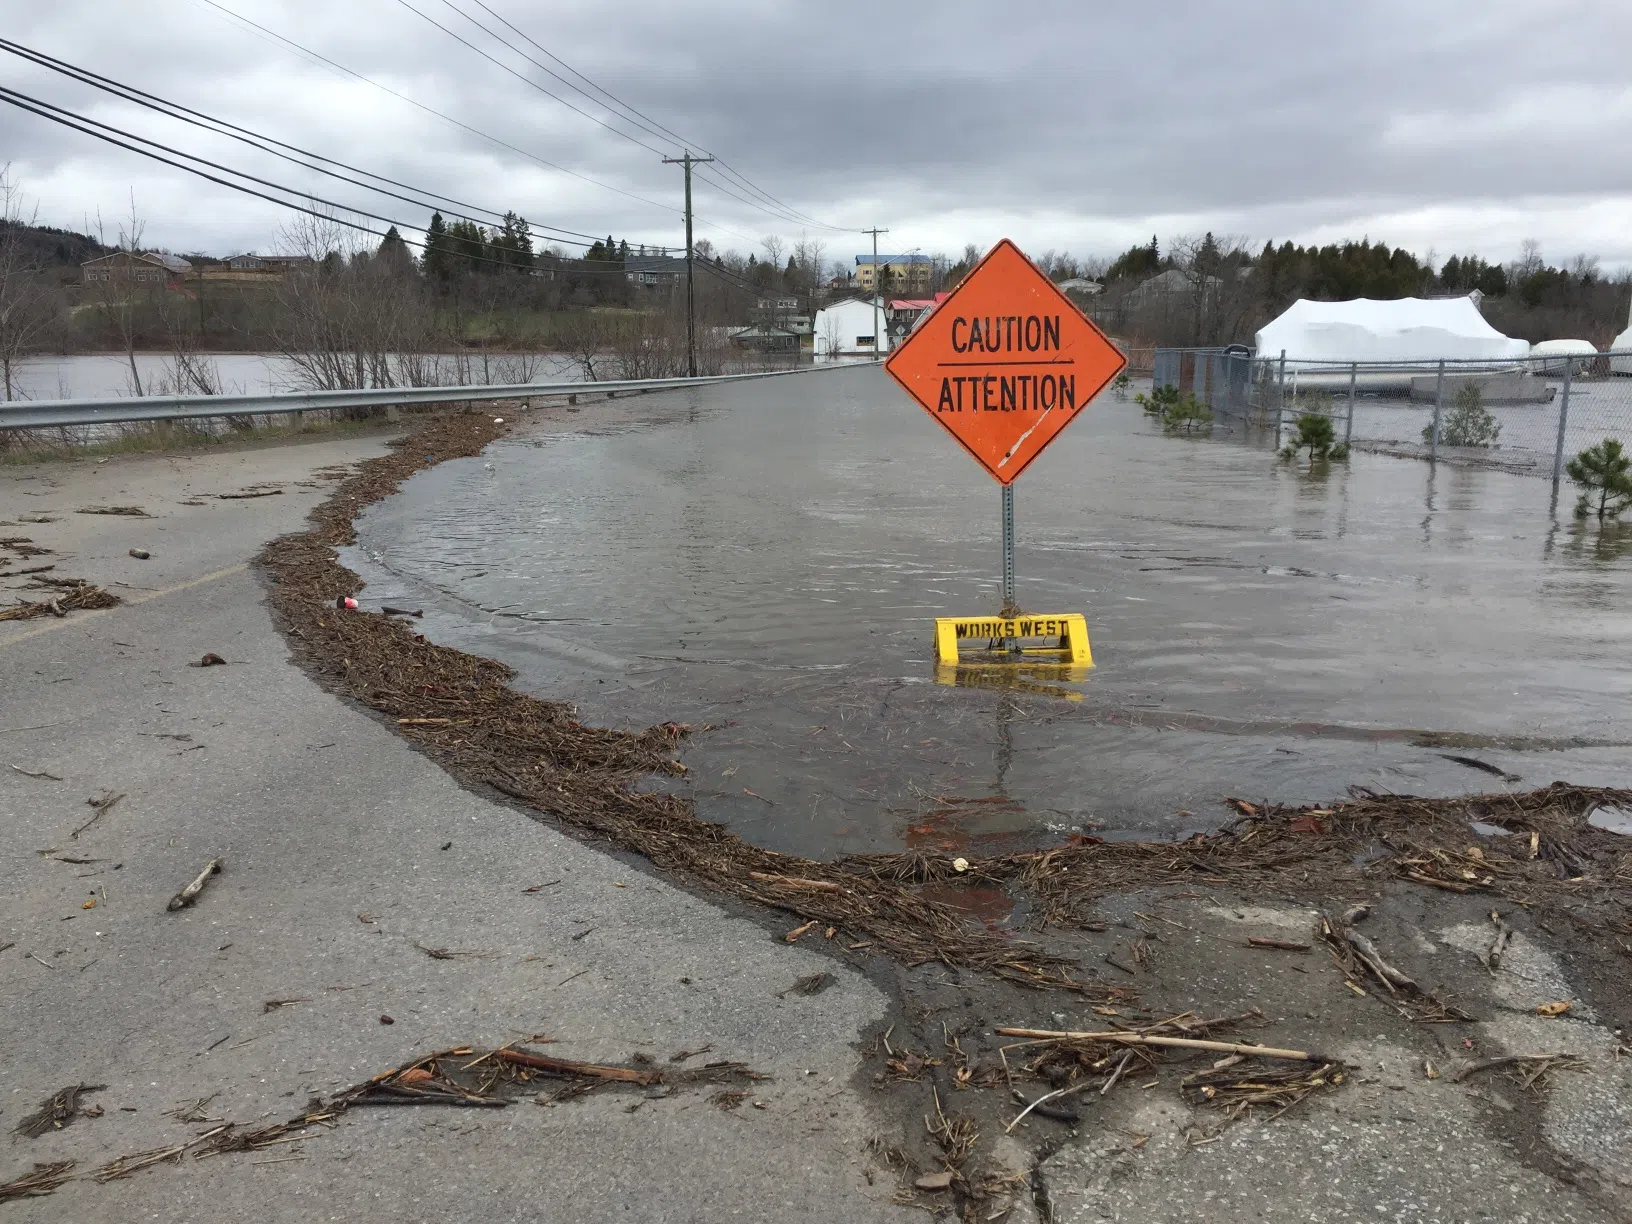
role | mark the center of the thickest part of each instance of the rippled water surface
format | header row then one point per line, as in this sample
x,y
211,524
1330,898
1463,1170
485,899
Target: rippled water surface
x,y
768,557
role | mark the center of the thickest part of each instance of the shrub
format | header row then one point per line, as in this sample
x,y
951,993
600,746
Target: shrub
x,y
1469,422
1315,434
1187,414
1604,475
1158,401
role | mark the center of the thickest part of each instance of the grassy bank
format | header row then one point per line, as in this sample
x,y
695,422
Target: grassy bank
x,y
188,435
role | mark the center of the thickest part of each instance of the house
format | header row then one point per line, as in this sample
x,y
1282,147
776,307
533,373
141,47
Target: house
x,y
249,268
781,313
1172,283
654,271
905,313
767,339
914,273
134,267
851,328
1082,285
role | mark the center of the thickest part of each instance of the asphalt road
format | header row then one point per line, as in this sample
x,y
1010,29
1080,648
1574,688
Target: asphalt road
x,y
321,815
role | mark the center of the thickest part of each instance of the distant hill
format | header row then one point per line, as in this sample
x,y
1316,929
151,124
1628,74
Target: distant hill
x,y
54,247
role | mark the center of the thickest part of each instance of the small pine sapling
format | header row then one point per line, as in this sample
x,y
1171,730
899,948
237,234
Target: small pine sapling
x,y
1315,434
1187,414
1604,475
1469,422
1159,400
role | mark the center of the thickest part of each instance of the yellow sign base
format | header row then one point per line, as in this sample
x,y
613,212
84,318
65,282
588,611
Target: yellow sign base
x,y
1069,633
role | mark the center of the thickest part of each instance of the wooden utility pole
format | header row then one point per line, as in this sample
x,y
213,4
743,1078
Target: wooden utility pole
x,y
688,161
878,287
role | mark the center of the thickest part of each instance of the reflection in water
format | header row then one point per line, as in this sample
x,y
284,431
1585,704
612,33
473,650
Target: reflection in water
x,y
1013,677
768,559
1599,544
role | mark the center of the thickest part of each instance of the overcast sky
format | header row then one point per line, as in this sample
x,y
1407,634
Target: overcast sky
x,y
1454,126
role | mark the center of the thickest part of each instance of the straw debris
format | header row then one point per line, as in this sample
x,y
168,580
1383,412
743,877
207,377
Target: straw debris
x,y
80,596
43,1180
461,1077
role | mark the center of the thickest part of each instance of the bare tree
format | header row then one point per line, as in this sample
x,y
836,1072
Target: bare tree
x,y
586,336
810,255
1211,300
1528,263
831,340
28,307
774,246
348,317
121,292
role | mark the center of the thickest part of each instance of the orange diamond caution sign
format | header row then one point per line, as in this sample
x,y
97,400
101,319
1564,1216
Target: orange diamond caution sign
x,y
1005,362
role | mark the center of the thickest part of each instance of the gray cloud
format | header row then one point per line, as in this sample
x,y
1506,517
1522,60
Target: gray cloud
x,y
1460,126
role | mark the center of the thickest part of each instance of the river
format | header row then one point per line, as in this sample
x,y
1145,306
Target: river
x,y
107,375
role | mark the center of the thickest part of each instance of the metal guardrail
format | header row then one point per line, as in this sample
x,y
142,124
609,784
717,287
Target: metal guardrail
x,y
48,414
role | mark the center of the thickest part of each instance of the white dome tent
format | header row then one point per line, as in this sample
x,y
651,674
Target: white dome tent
x,y
1553,356
1406,331
1623,344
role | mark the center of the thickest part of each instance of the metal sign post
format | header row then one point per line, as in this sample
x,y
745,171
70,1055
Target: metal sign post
x,y
1008,550
1003,364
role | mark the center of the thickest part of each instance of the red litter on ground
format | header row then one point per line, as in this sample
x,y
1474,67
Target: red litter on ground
x,y
345,601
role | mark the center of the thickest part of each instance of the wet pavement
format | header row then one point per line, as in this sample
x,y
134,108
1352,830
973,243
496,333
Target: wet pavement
x,y
766,559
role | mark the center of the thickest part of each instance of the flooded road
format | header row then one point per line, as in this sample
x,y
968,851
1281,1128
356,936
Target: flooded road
x,y
767,559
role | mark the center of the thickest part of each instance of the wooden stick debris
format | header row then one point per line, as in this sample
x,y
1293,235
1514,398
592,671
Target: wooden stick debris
x,y
1498,944
1386,973
1285,945
189,894
1041,1101
30,773
1182,1043
562,1066
102,806
1506,1060
796,882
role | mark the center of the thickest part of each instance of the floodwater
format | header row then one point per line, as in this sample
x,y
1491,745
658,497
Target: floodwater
x,y
766,559
1528,433
107,375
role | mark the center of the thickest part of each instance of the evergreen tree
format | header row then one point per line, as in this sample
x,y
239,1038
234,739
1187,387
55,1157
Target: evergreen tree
x,y
521,239
1137,263
467,248
1604,475
434,261
393,252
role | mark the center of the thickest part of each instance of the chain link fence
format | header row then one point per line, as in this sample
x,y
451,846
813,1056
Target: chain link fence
x,y
1529,416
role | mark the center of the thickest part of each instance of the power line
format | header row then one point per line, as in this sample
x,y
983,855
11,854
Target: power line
x,y
641,115
290,44
255,140
315,57
77,122
663,135
633,116
522,77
